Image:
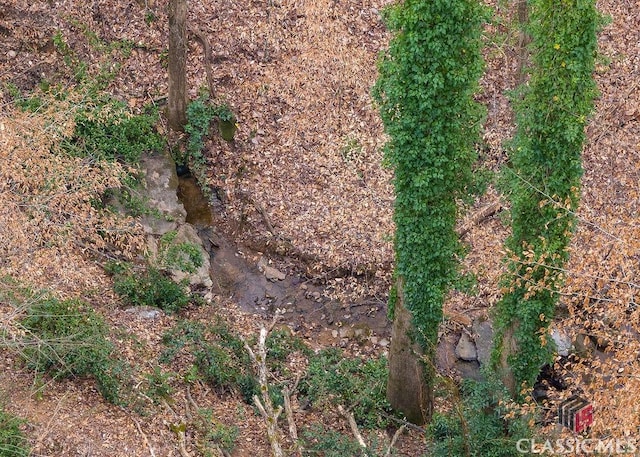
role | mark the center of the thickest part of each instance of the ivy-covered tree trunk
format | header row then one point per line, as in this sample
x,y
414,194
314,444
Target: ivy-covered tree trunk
x,y
177,99
425,89
544,174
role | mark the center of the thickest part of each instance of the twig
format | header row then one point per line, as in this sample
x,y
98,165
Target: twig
x,y
396,435
144,436
258,206
208,58
479,216
293,430
354,427
181,441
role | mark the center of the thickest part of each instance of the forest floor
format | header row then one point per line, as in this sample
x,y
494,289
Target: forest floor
x,y
303,183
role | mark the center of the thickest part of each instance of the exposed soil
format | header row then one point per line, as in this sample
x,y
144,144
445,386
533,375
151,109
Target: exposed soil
x,y
236,274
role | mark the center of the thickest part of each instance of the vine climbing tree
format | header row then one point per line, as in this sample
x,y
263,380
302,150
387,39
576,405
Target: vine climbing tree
x,y
425,89
544,181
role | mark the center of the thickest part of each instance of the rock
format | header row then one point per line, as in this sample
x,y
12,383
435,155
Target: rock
x,y
144,312
466,349
12,54
346,332
161,186
272,274
562,341
483,338
187,233
383,342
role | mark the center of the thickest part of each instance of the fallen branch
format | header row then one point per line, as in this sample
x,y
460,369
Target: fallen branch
x,y
265,406
354,427
179,430
396,435
208,58
144,435
293,430
479,216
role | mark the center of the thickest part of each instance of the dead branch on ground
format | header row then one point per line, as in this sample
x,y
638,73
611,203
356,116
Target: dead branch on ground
x,y
265,406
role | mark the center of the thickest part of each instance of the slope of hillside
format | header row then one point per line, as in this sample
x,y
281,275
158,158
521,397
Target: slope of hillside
x,y
303,182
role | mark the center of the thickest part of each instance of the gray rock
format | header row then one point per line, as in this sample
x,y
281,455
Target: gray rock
x,y
272,274
161,185
483,337
466,349
144,312
562,341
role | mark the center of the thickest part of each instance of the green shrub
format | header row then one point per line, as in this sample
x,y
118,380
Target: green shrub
x,y
151,287
280,345
356,384
218,354
158,386
212,433
318,441
67,338
106,129
183,256
478,426
221,359
200,114
13,443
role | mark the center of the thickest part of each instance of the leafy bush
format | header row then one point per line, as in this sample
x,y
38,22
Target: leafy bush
x,y
221,359
321,442
157,385
280,345
479,427
200,113
106,129
150,288
13,443
183,256
218,354
356,384
70,339
213,433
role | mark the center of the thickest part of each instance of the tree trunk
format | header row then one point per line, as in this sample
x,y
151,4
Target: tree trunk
x,y
508,346
410,384
523,40
177,103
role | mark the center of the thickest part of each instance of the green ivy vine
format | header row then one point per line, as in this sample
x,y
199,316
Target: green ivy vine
x,y
544,174
425,89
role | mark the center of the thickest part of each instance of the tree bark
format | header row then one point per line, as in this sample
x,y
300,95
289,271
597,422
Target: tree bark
x,y
523,40
508,346
177,102
410,383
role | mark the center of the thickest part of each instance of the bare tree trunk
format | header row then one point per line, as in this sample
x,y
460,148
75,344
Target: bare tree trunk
x,y
177,103
410,384
523,40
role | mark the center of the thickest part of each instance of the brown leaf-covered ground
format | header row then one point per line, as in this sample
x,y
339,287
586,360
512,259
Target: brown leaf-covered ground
x,y
307,162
